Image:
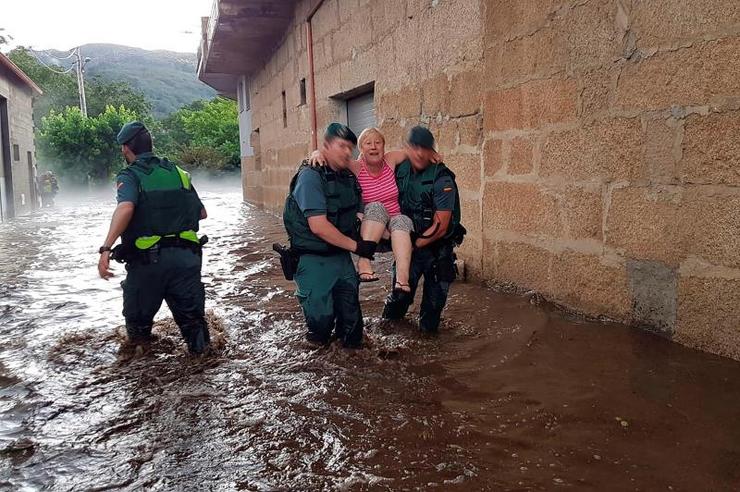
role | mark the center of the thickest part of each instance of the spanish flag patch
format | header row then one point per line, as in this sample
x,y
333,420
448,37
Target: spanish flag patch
x,y
447,189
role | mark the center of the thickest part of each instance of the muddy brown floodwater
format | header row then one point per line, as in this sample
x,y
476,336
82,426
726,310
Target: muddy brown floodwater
x,y
509,396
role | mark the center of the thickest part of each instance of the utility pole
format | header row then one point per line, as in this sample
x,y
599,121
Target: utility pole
x,y
81,81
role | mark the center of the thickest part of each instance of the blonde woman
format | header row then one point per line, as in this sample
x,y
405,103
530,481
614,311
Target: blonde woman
x,y
375,171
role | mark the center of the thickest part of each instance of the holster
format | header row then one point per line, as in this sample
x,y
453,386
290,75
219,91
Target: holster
x,y
445,268
288,260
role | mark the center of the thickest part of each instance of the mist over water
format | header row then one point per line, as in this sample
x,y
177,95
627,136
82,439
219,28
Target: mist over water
x,y
509,396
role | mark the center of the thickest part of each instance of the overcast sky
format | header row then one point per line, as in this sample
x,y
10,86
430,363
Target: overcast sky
x,y
63,24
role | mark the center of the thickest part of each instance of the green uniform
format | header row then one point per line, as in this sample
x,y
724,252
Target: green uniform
x,y
326,279
163,250
421,194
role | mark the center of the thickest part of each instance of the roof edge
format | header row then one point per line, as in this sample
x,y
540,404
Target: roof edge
x,y
4,60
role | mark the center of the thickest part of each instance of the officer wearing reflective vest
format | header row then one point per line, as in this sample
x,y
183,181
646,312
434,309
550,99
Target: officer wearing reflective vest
x,y
320,217
157,219
428,195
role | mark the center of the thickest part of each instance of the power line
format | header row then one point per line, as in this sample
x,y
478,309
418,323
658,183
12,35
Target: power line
x,y
38,59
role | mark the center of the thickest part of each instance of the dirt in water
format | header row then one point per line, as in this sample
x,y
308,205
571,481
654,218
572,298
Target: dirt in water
x,y
509,396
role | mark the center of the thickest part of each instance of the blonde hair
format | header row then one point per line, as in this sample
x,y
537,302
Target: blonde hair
x,y
367,133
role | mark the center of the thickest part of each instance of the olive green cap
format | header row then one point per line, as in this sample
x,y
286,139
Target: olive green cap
x,y
338,130
421,137
129,131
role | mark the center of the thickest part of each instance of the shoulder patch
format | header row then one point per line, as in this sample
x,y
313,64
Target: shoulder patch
x,y
447,189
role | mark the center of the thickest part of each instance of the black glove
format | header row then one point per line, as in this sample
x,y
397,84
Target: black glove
x,y
366,249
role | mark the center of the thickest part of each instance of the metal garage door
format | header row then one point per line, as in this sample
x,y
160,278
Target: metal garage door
x,y
361,113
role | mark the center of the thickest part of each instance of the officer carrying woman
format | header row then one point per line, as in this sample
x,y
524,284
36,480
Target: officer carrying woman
x,y
320,217
427,194
157,219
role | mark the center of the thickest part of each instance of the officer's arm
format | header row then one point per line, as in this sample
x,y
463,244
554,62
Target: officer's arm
x,y
121,218
442,219
395,157
326,231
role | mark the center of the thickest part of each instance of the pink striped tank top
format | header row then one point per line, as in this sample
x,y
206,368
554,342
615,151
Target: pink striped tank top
x,y
380,188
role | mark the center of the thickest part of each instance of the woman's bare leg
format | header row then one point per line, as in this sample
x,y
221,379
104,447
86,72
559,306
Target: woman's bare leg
x,y
372,229
401,244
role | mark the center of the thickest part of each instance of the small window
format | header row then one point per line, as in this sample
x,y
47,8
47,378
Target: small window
x,y
303,91
29,155
16,152
285,111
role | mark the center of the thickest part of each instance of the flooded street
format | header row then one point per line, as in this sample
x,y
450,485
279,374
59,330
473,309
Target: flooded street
x,y
509,396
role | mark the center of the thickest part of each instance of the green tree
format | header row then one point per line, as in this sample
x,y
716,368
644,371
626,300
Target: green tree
x,y
83,149
204,134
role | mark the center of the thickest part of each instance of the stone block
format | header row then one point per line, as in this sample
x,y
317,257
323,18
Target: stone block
x,y
708,317
539,55
585,283
606,150
659,164
645,223
710,224
326,19
711,149
385,15
445,135
493,158
466,93
654,291
531,105
594,36
359,71
506,19
671,21
469,130
524,208
472,248
467,169
594,87
394,135
526,266
348,9
436,95
582,210
521,156
690,76
402,103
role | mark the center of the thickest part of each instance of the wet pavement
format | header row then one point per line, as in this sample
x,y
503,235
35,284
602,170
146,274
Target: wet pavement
x,y
509,396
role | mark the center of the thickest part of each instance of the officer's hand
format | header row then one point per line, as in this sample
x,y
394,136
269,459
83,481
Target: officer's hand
x,y
366,249
317,159
104,266
414,239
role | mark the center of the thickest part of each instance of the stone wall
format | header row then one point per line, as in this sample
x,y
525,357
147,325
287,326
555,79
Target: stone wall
x,y
418,61
592,140
611,176
20,116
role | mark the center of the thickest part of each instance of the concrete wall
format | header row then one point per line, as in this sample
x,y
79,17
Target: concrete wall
x,y
592,140
20,118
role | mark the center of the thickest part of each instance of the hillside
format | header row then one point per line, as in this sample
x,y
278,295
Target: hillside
x,y
167,78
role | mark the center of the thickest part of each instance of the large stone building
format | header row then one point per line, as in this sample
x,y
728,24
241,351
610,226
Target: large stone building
x,y
595,143
17,150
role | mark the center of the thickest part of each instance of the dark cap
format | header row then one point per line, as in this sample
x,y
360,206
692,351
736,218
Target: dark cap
x,y
338,130
129,131
421,137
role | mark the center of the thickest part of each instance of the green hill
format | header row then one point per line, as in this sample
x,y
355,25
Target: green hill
x,y
166,78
